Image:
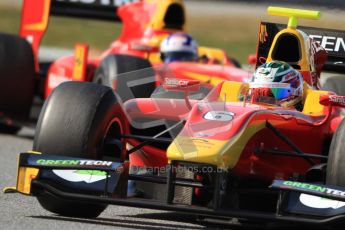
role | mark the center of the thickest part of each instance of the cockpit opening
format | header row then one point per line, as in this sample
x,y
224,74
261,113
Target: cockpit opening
x,y
287,49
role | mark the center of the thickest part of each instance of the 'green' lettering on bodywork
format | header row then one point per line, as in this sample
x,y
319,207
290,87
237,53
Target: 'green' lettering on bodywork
x,y
41,162
305,186
57,162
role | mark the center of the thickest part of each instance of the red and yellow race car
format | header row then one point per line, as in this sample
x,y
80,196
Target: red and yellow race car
x,y
227,155
145,24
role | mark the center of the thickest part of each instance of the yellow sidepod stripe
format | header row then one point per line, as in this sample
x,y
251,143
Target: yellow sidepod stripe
x,y
224,154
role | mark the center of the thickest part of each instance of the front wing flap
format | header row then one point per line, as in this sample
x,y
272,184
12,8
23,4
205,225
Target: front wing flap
x,y
311,199
69,173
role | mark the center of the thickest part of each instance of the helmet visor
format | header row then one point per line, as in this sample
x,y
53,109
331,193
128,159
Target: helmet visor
x,y
278,90
178,56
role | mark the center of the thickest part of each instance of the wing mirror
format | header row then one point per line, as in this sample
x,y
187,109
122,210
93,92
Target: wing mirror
x,y
184,85
174,84
332,100
141,46
251,59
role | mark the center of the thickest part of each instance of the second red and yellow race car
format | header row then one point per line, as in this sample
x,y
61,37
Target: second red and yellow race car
x,y
145,24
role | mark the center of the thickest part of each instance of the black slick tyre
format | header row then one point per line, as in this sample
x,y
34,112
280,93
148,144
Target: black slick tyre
x,y
17,79
75,121
336,158
130,76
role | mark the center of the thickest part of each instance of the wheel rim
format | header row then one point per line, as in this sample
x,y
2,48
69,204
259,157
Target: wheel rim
x,y
112,146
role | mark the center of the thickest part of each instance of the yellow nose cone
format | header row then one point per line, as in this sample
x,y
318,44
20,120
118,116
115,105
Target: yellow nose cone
x,y
201,150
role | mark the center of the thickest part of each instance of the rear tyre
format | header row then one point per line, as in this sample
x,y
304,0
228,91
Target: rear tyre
x,y
131,77
17,79
336,85
75,120
336,158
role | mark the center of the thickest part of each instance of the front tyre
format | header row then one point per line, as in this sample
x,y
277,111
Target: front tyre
x,y
336,158
75,121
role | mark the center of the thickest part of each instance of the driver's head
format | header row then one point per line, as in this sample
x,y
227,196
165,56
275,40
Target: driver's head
x,y
277,82
179,47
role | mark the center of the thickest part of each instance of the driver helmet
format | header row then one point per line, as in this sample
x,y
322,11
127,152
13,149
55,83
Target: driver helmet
x,y
179,47
277,82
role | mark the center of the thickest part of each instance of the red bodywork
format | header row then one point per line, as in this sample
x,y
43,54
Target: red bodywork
x,y
310,133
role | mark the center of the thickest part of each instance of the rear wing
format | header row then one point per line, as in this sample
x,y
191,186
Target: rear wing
x,y
35,15
332,40
94,9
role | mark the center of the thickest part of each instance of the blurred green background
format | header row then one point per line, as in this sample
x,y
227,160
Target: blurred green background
x,y
230,26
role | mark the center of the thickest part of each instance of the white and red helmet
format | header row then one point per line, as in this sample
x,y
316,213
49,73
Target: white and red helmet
x,y
179,47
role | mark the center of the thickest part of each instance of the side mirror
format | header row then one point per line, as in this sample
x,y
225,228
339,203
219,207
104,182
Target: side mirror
x,y
252,59
186,86
333,100
174,84
141,46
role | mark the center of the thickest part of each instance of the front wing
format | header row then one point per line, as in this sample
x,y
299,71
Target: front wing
x,y
106,182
